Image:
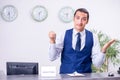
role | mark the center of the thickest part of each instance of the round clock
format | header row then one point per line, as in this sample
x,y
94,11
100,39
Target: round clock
x,y
39,13
66,14
9,13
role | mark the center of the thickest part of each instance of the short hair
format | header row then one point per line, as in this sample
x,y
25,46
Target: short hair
x,y
84,11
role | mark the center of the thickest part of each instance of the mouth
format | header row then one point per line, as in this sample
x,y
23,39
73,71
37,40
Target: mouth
x,y
80,25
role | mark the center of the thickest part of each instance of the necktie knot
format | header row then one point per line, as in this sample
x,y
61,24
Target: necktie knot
x,y
78,43
78,34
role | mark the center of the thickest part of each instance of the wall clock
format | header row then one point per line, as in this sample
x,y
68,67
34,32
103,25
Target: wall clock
x,y
39,13
9,13
66,14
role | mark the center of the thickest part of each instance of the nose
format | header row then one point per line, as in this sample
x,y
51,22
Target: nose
x,y
80,21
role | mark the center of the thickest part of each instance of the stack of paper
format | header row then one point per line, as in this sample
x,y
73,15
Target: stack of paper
x,y
76,74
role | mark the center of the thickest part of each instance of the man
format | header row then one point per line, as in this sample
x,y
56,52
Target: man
x,y
74,58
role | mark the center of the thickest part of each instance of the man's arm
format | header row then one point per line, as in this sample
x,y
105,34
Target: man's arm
x,y
98,54
56,46
108,44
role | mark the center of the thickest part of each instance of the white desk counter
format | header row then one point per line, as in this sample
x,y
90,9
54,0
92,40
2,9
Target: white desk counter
x,y
88,76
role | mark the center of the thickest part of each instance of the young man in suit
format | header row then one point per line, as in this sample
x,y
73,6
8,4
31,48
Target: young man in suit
x,y
78,47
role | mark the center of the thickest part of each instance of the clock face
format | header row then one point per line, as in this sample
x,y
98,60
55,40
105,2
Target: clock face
x,y
39,13
9,13
66,14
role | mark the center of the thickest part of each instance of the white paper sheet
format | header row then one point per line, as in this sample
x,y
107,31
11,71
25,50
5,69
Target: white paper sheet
x,y
76,74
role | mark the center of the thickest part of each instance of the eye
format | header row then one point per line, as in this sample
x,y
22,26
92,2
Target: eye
x,y
77,17
84,19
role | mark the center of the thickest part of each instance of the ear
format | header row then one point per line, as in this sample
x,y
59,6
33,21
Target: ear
x,y
87,22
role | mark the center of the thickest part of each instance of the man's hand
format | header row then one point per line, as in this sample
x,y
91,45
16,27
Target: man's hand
x,y
52,36
107,45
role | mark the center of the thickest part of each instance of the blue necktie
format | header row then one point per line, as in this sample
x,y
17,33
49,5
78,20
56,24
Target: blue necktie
x,y
78,43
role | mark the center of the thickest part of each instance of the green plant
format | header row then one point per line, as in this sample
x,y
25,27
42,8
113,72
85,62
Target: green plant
x,y
112,53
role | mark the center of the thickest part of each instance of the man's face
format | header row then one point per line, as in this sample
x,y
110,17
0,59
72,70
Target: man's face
x,y
80,20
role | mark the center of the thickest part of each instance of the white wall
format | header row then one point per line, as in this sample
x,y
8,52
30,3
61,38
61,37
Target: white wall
x,y
25,40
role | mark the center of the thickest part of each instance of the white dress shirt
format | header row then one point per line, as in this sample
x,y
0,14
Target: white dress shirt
x,y
97,56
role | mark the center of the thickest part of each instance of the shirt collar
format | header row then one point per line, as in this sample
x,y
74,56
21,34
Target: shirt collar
x,y
81,33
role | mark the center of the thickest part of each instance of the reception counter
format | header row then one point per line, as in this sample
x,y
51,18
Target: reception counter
x,y
88,76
